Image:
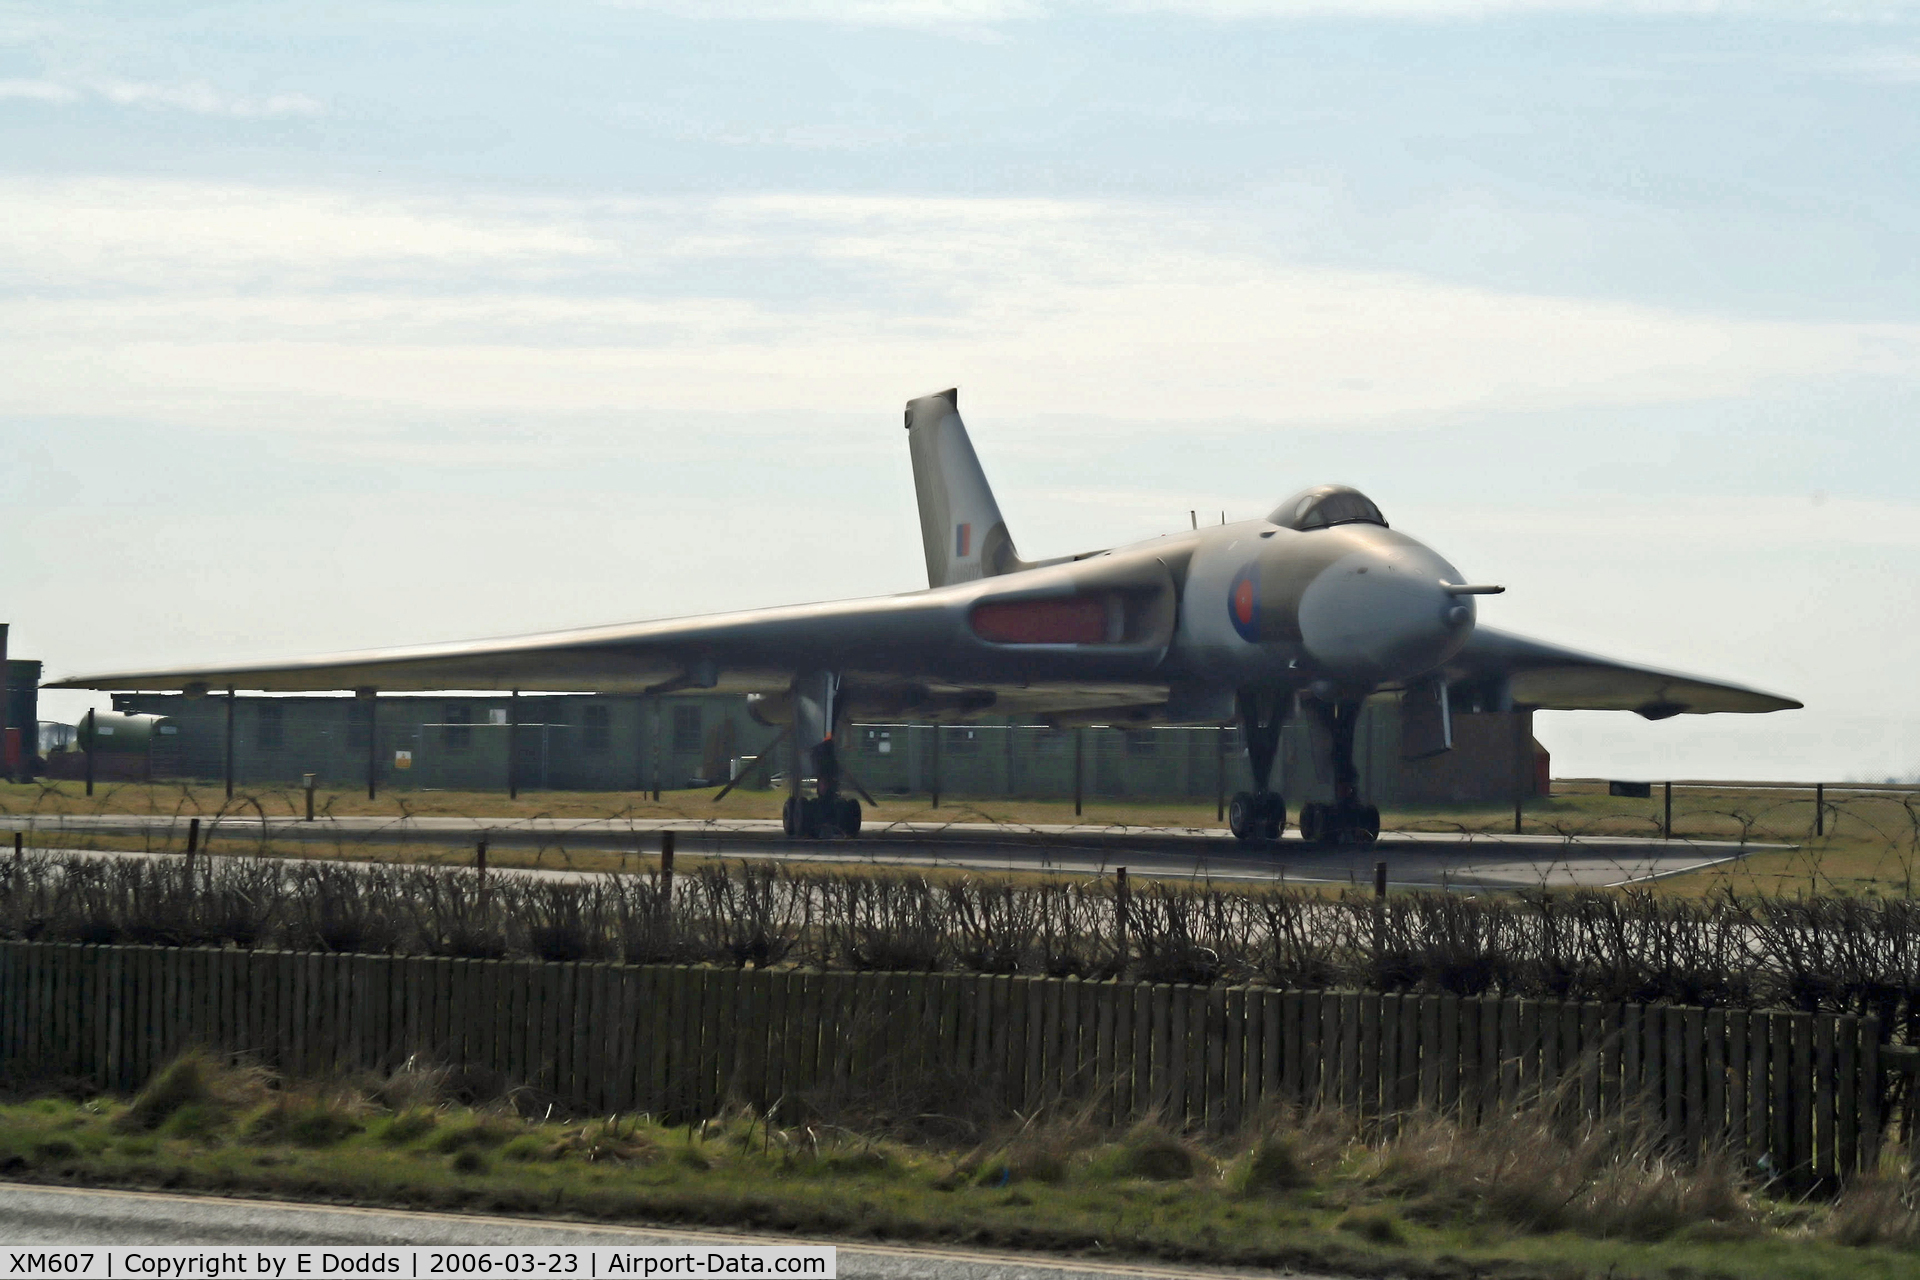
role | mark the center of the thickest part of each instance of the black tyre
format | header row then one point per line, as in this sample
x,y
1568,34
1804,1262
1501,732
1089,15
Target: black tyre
x,y
849,816
793,817
1313,822
1243,816
1273,814
1370,822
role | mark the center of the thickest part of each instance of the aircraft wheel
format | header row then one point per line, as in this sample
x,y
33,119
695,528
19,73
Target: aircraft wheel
x,y
849,816
1370,823
1273,814
1313,822
1243,817
793,816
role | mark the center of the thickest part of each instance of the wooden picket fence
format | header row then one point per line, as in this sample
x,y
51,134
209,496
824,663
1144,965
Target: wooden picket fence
x,y
1800,1094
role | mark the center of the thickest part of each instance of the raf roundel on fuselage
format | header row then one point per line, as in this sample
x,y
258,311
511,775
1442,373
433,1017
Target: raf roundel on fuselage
x,y
1324,506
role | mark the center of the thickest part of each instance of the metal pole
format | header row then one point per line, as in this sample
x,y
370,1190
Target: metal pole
x,y
653,745
1666,813
936,765
1079,776
1220,774
513,745
308,780
89,750
7,758
1819,808
1121,903
229,742
193,837
666,872
1521,761
373,743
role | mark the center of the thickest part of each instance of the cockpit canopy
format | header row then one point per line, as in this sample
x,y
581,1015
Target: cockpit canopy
x,y
1325,505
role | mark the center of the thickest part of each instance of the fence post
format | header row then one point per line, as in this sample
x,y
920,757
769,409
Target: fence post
x,y
372,699
666,875
513,745
307,780
1819,808
89,750
1666,816
230,705
1379,913
6,696
1220,774
1079,753
936,763
1522,765
1121,903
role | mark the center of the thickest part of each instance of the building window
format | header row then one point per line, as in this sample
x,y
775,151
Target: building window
x,y
457,731
879,742
686,728
595,731
270,733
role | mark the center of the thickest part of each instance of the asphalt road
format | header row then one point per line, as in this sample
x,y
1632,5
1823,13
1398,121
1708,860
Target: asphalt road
x,y
61,1216
1456,860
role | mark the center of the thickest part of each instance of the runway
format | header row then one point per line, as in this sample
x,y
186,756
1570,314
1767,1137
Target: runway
x,y
1456,860
32,1215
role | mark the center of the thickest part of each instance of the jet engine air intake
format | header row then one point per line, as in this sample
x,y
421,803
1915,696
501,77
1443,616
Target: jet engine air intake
x,y
1109,617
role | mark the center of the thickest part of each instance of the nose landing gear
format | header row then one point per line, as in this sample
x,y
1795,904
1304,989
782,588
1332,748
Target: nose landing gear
x,y
1346,820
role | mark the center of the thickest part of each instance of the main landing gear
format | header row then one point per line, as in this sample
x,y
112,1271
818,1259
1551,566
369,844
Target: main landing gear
x,y
826,814
1262,814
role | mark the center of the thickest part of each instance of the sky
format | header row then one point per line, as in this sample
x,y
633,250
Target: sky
x,y
331,325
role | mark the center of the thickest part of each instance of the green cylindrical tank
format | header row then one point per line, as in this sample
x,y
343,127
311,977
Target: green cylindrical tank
x,y
117,733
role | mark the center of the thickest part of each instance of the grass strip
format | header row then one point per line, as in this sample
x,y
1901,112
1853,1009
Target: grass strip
x,y
1430,1201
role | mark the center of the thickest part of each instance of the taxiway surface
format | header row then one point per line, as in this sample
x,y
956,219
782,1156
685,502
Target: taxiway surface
x,y
1466,860
62,1216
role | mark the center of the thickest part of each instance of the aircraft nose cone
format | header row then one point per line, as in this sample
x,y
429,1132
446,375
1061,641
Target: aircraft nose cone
x,y
1383,614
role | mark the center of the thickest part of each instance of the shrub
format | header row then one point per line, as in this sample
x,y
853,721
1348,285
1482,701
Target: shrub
x,y
194,1079
1374,1225
404,1128
1274,1164
467,1160
1149,1152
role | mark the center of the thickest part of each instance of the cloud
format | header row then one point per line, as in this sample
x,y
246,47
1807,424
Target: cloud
x,y
985,13
38,91
207,303
196,97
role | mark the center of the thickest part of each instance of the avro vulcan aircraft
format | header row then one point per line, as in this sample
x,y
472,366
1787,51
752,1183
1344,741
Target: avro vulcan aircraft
x,y
1315,607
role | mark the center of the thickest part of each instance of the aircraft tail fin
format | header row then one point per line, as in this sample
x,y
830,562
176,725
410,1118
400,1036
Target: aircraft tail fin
x,y
960,523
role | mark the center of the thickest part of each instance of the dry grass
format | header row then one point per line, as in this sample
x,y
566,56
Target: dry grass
x,y
1523,1196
